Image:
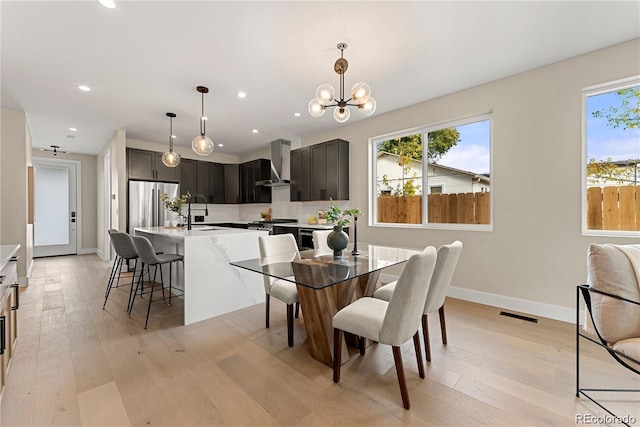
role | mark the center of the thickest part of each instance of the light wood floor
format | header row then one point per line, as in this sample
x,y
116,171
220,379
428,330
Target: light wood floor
x,y
77,364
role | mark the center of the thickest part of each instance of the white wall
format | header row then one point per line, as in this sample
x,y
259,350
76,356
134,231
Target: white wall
x,y
535,255
15,157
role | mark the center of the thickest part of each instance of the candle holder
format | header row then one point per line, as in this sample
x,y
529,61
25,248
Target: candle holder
x,y
355,252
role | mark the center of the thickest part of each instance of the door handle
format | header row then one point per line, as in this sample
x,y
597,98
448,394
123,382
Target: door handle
x,y
17,306
3,334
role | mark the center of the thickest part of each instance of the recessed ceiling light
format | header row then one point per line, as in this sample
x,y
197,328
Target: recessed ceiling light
x,y
73,129
255,131
108,3
173,137
220,145
242,94
84,88
296,114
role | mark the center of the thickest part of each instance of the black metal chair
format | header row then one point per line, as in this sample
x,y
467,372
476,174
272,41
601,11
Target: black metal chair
x,y
613,307
150,258
125,250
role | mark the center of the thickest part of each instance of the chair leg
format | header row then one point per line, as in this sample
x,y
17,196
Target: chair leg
x,y
361,342
151,294
297,309
416,344
337,354
170,264
425,334
290,324
161,281
404,391
132,291
443,325
114,271
266,314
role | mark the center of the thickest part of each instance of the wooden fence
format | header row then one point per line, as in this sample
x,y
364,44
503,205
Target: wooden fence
x,y
460,208
613,208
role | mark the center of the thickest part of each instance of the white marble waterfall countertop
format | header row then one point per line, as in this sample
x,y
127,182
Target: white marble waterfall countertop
x,y
211,285
196,231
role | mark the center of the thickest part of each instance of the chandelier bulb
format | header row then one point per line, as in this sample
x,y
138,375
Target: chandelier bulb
x,y
171,159
359,91
316,108
367,106
341,114
325,94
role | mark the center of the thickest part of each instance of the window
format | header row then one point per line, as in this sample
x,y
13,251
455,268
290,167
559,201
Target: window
x,y
611,148
454,166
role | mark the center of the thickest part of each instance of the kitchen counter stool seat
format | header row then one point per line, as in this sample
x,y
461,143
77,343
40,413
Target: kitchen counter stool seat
x,y
150,258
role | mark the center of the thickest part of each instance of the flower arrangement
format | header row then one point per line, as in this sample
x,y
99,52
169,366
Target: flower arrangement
x,y
339,217
175,204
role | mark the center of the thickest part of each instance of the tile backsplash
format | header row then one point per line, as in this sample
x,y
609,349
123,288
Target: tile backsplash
x,y
281,207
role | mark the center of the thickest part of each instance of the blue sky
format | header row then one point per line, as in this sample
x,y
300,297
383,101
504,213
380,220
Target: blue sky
x,y
605,141
472,152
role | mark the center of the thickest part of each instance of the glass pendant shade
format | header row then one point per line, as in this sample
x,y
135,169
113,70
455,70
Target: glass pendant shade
x,y
359,91
341,114
316,108
325,94
367,106
171,159
202,145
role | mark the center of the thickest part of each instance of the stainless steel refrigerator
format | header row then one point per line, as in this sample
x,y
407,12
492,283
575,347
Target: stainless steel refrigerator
x,y
145,207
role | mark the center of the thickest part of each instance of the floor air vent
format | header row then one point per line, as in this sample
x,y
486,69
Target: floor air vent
x,y
518,316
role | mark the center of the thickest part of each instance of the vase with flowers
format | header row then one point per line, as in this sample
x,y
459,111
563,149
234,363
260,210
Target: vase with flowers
x,y
175,204
338,239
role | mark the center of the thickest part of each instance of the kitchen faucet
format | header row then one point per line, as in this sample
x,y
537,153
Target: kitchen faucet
x,y
206,208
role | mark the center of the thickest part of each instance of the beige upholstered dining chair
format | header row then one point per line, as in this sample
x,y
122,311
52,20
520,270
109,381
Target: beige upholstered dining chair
x,y
393,322
448,256
320,242
280,248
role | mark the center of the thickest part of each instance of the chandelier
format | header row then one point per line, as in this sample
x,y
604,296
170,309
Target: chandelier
x,y
170,158
201,144
360,95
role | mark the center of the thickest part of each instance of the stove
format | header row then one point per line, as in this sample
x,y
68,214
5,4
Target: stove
x,y
268,225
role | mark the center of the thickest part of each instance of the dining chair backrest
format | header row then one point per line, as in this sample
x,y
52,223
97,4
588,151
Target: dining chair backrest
x,y
123,245
277,249
448,256
145,250
111,231
402,318
320,242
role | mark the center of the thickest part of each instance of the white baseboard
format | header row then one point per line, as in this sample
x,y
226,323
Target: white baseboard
x,y
531,308
87,251
101,255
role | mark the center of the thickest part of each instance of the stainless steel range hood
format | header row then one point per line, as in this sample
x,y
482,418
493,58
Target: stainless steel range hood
x,y
280,164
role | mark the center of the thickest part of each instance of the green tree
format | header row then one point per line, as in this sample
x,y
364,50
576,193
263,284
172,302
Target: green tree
x,y
627,115
438,143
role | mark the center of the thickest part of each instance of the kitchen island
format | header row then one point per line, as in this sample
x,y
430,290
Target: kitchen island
x,y
211,286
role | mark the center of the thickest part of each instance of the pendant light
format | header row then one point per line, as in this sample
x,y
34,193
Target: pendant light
x,y
201,144
325,95
171,159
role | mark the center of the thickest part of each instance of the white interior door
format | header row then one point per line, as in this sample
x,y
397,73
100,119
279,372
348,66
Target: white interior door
x,y
56,216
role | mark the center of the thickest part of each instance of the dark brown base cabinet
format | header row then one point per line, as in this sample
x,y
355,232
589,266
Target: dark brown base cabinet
x,y
320,172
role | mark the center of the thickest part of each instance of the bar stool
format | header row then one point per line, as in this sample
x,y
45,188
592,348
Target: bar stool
x,y
125,250
150,258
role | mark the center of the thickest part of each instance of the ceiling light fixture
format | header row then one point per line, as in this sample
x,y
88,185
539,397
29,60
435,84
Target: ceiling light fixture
x,y
108,3
360,95
255,131
171,159
201,144
296,114
84,88
242,94
73,129
54,149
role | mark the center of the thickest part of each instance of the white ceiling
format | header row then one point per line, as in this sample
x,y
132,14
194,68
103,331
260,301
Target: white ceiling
x,y
145,58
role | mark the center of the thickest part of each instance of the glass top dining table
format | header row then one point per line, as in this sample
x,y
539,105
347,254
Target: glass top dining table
x,y
317,270
326,284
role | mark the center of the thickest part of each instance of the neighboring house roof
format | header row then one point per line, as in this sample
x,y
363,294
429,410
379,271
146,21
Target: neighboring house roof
x,y
480,177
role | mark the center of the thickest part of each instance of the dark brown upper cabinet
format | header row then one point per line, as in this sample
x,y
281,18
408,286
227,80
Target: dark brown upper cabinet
x,y
320,171
250,172
147,165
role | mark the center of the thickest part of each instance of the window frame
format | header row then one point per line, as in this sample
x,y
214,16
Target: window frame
x,y
599,89
424,130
